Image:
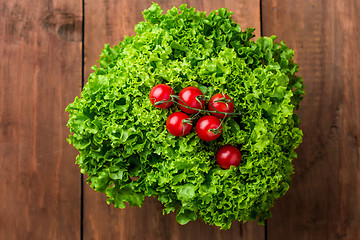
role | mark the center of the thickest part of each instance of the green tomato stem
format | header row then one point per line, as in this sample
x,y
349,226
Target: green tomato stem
x,y
185,105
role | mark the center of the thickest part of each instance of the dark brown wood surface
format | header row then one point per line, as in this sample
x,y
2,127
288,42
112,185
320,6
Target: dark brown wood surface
x,y
324,201
40,73
109,22
41,47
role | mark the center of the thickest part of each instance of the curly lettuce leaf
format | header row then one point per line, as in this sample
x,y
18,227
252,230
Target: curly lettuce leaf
x,y
124,146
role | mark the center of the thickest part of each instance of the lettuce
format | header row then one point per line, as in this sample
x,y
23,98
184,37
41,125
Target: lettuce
x,y
122,140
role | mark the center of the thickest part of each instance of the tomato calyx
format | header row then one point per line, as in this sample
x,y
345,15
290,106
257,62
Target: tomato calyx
x,y
208,128
224,100
179,124
216,130
200,99
186,121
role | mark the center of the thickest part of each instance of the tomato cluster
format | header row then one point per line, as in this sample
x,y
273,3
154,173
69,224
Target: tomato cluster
x,y
209,127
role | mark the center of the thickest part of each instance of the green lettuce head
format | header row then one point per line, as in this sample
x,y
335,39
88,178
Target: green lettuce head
x,y
126,150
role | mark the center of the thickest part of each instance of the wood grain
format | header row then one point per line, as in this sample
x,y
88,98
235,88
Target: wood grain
x,y
324,201
108,22
40,73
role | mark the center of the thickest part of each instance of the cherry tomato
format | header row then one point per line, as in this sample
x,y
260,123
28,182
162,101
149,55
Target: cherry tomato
x,y
208,128
178,124
228,156
222,103
161,92
191,97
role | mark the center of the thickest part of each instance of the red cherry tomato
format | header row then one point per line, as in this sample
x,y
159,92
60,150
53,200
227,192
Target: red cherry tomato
x,y
208,128
178,124
222,103
228,156
161,92
191,97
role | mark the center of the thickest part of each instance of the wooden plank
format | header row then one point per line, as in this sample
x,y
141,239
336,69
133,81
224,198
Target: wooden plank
x,y
323,202
109,22
40,73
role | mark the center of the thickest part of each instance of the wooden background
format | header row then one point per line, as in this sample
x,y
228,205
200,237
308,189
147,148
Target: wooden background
x,y
46,50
